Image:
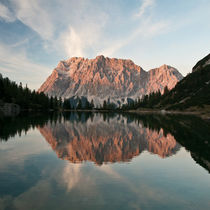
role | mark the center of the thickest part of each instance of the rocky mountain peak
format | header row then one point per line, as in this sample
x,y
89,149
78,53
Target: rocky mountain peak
x,y
164,66
102,78
100,57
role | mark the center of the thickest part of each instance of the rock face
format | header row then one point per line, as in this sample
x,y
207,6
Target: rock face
x,y
102,78
106,140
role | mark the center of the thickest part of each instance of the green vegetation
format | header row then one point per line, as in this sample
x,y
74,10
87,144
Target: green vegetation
x,y
201,62
10,92
191,132
82,103
78,104
11,126
21,124
192,91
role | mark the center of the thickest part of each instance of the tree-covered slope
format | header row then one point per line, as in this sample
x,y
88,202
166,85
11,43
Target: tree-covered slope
x,y
10,92
192,91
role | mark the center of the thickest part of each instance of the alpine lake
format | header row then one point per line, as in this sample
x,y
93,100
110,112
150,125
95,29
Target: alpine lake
x,y
90,160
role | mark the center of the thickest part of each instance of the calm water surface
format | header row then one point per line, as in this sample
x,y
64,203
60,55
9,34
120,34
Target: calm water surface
x,y
104,161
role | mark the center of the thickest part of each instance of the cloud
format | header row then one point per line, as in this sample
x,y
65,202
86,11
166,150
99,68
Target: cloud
x,y
79,42
62,29
73,28
5,14
145,5
33,14
71,175
109,170
19,43
83,31
146,29
72,43
20,68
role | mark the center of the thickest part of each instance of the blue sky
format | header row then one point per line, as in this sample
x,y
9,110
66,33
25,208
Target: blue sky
x,y
35,34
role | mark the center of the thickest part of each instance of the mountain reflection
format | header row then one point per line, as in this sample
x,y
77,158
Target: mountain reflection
x,y
113,137
103,139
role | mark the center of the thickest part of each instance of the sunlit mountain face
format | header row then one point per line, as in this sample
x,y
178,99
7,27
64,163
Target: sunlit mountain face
x,y
101,78
103,140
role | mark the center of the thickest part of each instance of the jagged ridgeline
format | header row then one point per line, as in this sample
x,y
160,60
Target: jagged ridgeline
x,y
112,80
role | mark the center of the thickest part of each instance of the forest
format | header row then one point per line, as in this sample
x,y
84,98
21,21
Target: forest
x,y
11,92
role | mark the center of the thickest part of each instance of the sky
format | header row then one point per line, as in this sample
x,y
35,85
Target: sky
x,y
35,34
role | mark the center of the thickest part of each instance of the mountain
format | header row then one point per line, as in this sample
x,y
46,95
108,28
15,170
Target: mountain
x,y
102,78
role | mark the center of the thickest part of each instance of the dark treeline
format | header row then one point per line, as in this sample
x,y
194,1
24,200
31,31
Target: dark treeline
x,y
11,126
11,92
186,130
190,131
79,104
21,124
192,91
83,104
147,101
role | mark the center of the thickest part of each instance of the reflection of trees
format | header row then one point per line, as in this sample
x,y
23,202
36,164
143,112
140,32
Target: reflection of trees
x,y
106,138
189,131
11,126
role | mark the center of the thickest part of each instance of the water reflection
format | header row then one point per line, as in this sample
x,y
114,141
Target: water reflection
x,y
103,137
162,175
103,140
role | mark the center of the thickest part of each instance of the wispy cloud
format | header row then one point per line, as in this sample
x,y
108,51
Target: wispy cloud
x,y
83,31
18,67
80,42
21,42
144,31
66,31
6,14
32,14
45,31
144,6
71,175
146,28
72,43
